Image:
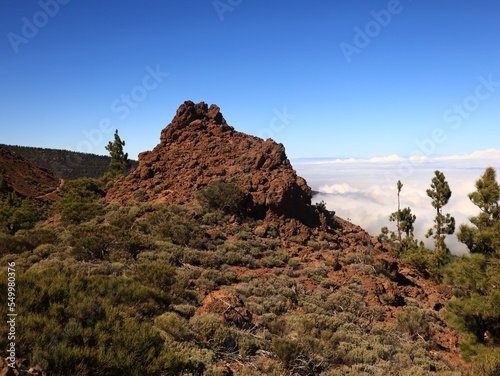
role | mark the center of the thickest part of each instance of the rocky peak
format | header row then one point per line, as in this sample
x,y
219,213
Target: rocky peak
x,y
199,148
195,117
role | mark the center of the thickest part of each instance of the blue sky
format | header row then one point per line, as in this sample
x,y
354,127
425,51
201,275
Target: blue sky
x,y
344,78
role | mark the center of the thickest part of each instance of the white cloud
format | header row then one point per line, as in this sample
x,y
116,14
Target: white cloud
x,y
492,155
338,189
489,154
364,190
389,158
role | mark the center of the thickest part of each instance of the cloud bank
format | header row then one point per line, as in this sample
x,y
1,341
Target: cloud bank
x,y
364,190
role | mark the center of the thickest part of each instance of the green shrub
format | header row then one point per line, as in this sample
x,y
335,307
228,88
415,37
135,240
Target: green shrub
x,y
487,363
216,217
17,214
206,259
184,310
226,197
90,325
287,350
174,325
421,259
37,237
45,250
156,275
414,322
99,242
238,258
174,223
212,331
123,217
140,195
316,274
275,259
80,200
10,244
346,300
248,346
219,278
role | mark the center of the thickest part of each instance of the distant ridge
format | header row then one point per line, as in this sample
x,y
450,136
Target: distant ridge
x,y
65,164
24,177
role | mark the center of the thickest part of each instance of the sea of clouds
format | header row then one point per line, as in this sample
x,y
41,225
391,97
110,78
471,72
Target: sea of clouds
x,y
364,190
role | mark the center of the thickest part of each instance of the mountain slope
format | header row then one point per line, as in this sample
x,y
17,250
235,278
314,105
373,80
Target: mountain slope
x,y
198,148
155,280
24,177
65,164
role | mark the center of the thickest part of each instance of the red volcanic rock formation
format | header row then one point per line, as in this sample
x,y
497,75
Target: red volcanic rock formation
x,y
199,148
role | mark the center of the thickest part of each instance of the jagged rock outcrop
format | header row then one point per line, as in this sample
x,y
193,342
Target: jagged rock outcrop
x,y
199,148
228,306
24,177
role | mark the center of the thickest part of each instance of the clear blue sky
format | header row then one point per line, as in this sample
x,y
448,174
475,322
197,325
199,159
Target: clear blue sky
x,y
67,67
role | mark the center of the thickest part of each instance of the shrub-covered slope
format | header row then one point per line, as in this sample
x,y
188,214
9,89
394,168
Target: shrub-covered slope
x,y
229,272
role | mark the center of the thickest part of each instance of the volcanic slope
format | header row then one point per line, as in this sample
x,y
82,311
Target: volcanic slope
x,y
65,164
24,177
198,148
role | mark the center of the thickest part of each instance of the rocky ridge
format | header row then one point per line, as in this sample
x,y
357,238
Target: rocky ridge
x,y
26,178
199,148
65,164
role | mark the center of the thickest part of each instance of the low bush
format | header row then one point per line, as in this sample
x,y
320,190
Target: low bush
x,y
287,351
414,322
226,197
212,331
80,201
17,214
175,224
99,242
10,244
174,325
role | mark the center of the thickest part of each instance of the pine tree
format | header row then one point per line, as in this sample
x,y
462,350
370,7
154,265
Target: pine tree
x,y
404,222
399,186
407,219
119,160
4,186
485,236
476,309
440,194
